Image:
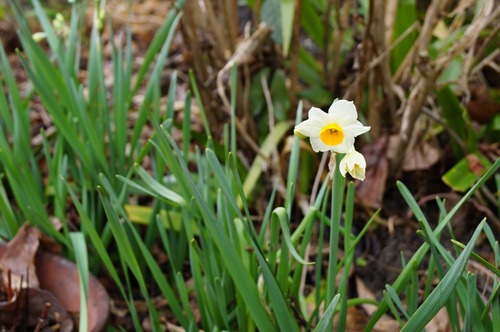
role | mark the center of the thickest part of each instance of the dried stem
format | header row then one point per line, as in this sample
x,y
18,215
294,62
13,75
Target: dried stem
x,y
317,178
326,41
425,78
222,50
42,320
472,32
491,36
376,61
427,72
243,53
190,36
294,63
269,102
231,14
384,69
342,20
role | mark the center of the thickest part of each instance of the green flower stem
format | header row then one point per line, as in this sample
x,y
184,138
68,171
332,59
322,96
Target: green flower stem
x,y
348,256
338,187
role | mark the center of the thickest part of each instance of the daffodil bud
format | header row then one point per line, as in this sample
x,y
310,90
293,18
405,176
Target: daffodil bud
x,y
354,163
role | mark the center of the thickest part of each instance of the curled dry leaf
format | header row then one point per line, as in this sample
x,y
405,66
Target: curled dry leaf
x,y
386,323
482,107
29,306
422,157
19,259
440,322
26,303
475,164
6,303
356,319
370,192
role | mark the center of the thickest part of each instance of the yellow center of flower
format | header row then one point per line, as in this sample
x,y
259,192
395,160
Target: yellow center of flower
x,y
331,134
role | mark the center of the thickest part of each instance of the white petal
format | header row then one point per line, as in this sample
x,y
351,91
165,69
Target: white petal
x,y
310,127
318,145
343,167
355,129
343,111
358,173
345,146
317,113
355,163
313,125
358,159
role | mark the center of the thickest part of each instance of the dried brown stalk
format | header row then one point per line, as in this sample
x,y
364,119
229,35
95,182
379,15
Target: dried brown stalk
x,y
294,63
428,71
342,19
42,320
222,50
471,34
190,35
374,71
210,29
326,41
425,77
230,12
424,38
243,54
277,170
361,76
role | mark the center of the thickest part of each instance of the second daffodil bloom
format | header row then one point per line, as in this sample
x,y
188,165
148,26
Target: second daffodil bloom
x,y
333,131
354,163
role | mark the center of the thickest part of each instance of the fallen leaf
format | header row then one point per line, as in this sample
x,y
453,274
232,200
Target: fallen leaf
x,y
474,164
371,191
19,259
440,322
27,308
356,319
421,157
5,307
385,323
27,304
482,107
59,278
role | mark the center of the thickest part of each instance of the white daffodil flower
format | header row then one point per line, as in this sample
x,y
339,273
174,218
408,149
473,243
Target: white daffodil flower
x,y
333,131
354,163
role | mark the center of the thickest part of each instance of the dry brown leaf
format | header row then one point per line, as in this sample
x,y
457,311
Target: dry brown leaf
x,y
475,164
422,157
371,191
439,323
385,323
6,307
27,303
19,259
482,107
356,319
15,313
